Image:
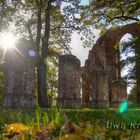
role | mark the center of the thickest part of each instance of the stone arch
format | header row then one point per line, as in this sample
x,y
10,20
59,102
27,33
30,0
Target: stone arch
x,y
115,36
100,65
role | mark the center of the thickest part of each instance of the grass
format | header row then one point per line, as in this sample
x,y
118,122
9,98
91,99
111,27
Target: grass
x,y
41,117
134,106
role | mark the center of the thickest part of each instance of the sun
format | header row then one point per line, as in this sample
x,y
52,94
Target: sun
x,y
7,40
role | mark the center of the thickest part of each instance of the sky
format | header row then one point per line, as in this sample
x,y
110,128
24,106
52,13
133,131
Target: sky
x,y
76,44
77,47
84,2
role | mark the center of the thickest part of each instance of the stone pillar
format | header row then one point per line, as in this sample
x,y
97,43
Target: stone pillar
x,y
86,88
20,76
94,87
118,92
86,91
69,82
101,90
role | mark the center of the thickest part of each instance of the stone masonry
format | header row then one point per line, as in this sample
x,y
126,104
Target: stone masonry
x,y
102,84
69,82
20,84
118,90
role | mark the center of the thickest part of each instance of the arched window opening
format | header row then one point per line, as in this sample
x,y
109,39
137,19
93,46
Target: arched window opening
x,y
127,60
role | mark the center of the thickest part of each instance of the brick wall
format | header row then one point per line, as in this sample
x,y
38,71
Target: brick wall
x,y
69,82
20,76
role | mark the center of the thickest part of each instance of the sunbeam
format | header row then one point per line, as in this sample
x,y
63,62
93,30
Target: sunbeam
x,y
8,41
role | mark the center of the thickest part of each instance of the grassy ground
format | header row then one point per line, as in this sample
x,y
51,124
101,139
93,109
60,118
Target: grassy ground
x,y
110,119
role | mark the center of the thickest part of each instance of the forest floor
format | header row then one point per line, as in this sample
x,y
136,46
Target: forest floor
x,y
70,124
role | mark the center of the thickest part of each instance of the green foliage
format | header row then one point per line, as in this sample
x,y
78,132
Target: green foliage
x,y
90,122
133,94
128,47
110,13
131,61
52,80
6,14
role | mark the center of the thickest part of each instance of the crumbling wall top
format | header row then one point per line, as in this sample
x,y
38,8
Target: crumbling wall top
x,y
69,59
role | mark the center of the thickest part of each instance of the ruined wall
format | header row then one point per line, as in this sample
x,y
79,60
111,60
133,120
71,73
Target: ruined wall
x,y
86,87
101,68
100,90
20,76
69,82
118,92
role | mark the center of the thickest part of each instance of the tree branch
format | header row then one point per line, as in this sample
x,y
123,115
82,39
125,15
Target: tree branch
x,y
30,32
122,17
39,24
65,27
2,15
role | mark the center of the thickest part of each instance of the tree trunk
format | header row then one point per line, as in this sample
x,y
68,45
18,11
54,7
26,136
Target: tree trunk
x,y
138,90
2,14
42,91
41,66
137,53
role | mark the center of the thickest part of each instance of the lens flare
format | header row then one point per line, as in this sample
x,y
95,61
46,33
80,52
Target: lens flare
x,y
7,40
123,107
31,53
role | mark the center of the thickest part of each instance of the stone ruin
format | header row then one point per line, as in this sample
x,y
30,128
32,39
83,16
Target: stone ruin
x,y
69,82
102,86
20,65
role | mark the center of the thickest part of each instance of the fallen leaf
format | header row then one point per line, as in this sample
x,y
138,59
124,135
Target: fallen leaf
x,y
70,137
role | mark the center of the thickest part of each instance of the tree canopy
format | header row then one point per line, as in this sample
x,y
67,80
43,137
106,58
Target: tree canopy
x,y
111,13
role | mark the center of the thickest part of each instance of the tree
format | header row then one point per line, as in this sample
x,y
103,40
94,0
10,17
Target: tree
x,y
133,76
137,53
133,96
128,47
52,80
111,13
48,26
41,67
